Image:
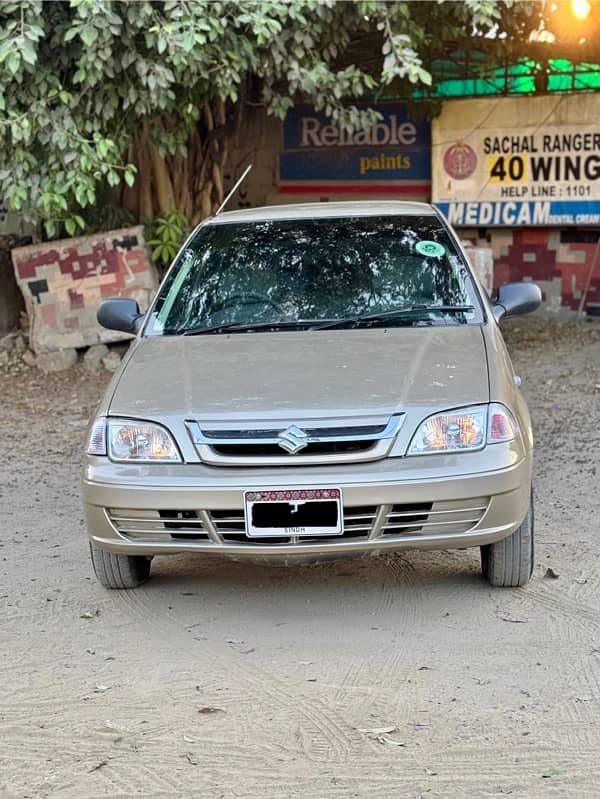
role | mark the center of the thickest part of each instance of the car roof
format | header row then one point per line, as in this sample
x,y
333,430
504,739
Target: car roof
x,y
324,210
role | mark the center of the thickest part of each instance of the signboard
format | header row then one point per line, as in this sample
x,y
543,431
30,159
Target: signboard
x,y
394,156
518,161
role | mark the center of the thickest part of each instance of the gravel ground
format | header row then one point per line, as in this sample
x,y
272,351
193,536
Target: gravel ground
x,y
228,680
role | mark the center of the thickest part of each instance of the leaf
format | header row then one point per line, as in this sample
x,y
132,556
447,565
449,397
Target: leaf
x,y
13,62
28,52
379,730
5,49
71,33
385,739
70,226
512,619
88,35
50,227
553,772
129,178
551,574
88,613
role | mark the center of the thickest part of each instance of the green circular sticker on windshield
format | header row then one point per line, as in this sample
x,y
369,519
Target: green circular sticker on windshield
x,y
430,249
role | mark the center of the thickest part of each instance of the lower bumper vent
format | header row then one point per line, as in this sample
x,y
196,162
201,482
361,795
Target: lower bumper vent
x,y
366,522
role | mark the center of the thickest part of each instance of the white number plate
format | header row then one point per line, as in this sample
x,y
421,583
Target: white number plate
x,y
285,513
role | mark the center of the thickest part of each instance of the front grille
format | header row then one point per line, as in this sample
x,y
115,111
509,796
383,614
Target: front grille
x,y
360,522
296,442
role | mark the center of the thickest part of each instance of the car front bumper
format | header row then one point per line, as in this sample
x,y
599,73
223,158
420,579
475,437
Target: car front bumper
x,y
471,499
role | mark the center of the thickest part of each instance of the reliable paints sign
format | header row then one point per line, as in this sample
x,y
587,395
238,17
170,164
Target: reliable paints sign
x,y
394,156
531,161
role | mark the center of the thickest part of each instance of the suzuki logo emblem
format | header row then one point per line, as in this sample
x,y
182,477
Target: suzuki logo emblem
x,y
292,439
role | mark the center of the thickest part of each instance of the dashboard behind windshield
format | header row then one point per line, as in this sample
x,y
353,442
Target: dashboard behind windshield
x,y
314,271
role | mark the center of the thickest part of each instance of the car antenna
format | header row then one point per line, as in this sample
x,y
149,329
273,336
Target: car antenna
x,y
233,190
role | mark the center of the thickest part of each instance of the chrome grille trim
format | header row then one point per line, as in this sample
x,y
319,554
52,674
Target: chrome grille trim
x,y
208,438
437,512
149,525
450,516
363,522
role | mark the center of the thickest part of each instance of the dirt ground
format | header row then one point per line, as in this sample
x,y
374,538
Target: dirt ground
x,y
228,680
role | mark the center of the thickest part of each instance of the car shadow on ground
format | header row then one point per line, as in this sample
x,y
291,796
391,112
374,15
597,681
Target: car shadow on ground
x,y
348,591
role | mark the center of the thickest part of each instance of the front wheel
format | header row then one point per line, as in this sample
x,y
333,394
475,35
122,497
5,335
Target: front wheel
x,y
509,563
119,571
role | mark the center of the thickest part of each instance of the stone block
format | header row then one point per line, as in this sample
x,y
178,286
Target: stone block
x,y
20,345
28,358
112,361
56,361
7,343
92,360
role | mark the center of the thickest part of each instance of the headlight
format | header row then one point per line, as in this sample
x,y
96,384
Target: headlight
x,y
128,440
464,429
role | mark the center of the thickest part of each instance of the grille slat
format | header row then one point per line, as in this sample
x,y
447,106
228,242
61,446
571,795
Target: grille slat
x,y
430,524
160,521
352,431
437,512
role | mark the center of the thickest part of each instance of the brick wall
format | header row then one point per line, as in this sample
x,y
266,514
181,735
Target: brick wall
x,y
549,256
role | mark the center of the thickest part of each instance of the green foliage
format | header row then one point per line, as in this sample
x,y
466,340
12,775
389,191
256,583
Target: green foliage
x,y
167,233
78,78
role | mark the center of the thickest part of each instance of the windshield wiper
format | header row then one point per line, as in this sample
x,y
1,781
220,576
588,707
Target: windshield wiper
x,y
402,310
244,327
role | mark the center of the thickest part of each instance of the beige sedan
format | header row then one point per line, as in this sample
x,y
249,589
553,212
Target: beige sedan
x,y
313,382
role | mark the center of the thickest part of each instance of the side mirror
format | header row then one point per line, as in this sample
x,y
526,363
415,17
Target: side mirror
x,y
120,313
517,298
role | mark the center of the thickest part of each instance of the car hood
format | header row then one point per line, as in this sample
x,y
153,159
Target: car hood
x,y
297,375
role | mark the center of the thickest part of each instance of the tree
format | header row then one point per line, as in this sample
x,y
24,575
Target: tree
x,y
145,97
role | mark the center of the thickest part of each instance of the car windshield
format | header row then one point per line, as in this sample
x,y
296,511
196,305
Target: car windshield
x,y
316,273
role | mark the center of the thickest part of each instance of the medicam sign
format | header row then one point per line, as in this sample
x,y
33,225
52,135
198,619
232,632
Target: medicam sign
x,y
522,161
393,157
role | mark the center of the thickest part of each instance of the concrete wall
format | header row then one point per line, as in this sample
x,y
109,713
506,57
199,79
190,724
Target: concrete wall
x,y
64,281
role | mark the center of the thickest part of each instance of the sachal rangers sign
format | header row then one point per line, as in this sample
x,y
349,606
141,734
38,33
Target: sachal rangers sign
x,y
527,161
319,156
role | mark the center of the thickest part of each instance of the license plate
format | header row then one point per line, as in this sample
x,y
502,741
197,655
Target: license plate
x,y
306,511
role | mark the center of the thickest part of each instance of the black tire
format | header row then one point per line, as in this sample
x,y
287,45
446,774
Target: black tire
x,y
509,563
119,571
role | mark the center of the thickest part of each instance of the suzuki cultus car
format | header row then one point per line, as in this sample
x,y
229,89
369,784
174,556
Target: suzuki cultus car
x,y
312,382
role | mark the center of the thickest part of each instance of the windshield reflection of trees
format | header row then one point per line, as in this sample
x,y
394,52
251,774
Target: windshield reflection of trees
x,y
317,269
